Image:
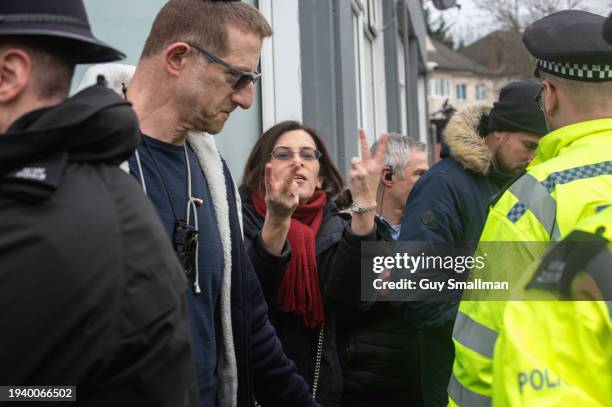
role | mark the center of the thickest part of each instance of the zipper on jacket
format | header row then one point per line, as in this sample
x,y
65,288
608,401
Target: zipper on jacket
x,y
315,381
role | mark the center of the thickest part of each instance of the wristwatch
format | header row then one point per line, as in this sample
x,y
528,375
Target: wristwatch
x,y
355,207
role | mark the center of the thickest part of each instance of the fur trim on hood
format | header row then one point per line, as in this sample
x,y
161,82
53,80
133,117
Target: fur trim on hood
x,y
466,145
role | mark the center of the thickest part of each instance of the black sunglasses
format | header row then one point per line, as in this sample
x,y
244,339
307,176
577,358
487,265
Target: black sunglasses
x,y
242,78
538,96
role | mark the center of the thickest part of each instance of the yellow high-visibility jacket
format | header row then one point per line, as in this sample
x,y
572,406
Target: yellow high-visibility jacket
x,y
559,353
569,179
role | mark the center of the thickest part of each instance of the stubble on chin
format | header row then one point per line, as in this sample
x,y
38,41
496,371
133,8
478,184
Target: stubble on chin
x,y
215,128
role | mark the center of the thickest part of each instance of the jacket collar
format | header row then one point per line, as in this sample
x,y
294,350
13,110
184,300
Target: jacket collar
x,y
78,125
95,125
551,145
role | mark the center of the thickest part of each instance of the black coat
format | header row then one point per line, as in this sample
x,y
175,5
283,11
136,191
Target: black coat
x,y
338,265
449,203
264,371
91,293
379,352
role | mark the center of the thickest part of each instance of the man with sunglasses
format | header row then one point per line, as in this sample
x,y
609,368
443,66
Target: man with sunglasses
x,y
198,65
568,180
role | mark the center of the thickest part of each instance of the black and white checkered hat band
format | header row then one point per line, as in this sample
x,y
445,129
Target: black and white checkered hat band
x,y
579,72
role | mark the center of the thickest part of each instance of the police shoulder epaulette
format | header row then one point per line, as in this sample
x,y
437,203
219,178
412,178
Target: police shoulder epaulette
x,y
561,263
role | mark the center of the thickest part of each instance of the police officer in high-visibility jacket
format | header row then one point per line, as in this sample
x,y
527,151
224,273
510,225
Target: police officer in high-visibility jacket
x,y
552,353
568,180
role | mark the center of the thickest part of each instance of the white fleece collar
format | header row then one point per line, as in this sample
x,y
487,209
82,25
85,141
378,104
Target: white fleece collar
x,y
210,160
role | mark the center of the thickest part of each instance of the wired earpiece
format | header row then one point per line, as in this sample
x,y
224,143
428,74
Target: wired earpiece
x,y
389,175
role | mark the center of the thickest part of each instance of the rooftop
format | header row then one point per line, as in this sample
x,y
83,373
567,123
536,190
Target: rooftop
x,y
503,53
450,60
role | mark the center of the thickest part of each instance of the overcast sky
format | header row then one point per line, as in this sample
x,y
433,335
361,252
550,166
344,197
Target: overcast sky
x,y
469,23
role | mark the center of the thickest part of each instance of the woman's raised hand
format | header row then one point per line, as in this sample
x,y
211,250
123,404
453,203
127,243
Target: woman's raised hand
x,y
281,192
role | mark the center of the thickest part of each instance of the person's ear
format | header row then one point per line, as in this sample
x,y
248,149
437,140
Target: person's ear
x,y
386,176
319,182
550,96
15,73
175,56
502,136
494,137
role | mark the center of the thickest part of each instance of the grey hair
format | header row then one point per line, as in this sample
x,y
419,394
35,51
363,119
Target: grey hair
x,y
399,151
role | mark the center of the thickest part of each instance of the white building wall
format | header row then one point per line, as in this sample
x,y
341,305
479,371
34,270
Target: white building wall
x,y
435,101
281,64
423,114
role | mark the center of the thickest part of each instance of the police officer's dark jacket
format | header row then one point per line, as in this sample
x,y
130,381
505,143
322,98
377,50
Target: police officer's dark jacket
x,y
91,293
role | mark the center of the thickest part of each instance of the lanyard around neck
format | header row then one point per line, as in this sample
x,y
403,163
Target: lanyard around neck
x,y
189,199
190,206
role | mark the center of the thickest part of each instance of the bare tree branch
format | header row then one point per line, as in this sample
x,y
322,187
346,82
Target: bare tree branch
x,y
518,14
513,16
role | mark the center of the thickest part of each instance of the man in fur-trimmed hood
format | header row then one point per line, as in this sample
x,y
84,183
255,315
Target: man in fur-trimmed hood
x,y
486,147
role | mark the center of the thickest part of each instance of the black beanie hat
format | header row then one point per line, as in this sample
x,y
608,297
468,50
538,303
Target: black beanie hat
x,y
517,110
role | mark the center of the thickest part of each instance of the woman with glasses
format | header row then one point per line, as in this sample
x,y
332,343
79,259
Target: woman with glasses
x,y
307,257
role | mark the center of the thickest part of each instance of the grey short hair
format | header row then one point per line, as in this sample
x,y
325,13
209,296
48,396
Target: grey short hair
x,y
399,151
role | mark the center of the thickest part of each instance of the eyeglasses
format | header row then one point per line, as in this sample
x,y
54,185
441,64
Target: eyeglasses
x,y
538,98
306,154
242,78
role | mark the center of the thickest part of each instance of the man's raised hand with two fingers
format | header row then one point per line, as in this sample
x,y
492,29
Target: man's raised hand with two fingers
x,y
364,178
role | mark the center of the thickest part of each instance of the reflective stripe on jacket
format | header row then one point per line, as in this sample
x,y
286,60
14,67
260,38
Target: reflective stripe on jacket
x,y
568,180
552,353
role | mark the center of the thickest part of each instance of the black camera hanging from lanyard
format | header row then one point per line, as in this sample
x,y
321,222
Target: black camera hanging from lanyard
x,y
185,242
185,236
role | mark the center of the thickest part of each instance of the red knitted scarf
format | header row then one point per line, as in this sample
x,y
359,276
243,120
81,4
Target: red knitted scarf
x,y
300,293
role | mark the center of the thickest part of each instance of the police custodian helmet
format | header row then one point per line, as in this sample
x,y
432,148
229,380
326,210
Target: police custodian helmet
x,y
64,19
569,44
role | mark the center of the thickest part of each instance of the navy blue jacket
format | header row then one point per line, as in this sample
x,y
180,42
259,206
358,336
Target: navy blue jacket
x,y
449,203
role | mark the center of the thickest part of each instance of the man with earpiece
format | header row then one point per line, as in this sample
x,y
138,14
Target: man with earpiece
x,y
405,162
377,347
